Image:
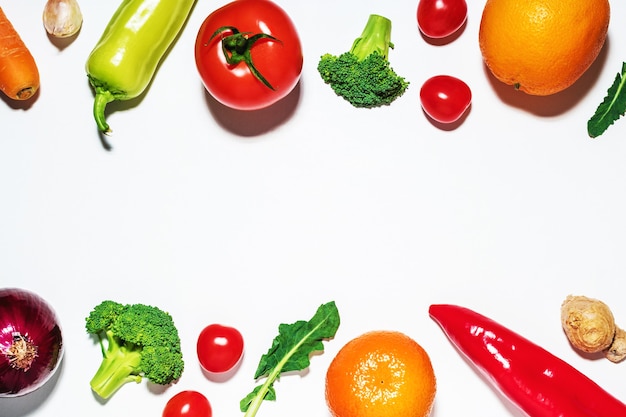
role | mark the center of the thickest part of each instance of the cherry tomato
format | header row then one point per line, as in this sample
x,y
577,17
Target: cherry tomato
x,y
260,35
441,18
220,348
188,404
445,98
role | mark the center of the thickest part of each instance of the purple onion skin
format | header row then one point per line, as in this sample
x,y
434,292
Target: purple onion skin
x,y
27,314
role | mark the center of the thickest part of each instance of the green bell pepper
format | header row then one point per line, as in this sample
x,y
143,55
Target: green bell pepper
x,y
126,57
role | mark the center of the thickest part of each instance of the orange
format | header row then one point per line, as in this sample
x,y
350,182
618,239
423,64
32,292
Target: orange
x,y
542,46
381,374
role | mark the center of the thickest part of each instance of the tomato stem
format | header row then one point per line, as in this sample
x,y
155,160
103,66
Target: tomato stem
x,y
237,48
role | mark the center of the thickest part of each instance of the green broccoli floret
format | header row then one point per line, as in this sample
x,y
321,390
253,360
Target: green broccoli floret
x,y
363,75
141,341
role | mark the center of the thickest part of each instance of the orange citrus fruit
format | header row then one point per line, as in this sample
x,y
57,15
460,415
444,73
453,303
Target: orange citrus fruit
x,y
381,374
542,46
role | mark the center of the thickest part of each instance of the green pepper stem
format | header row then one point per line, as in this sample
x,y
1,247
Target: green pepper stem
x,y
102,98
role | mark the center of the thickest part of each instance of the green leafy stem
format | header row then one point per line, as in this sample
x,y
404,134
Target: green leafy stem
x,y
290,351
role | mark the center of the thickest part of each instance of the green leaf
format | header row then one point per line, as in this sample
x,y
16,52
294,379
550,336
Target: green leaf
x,y
270,395
290,351
612,108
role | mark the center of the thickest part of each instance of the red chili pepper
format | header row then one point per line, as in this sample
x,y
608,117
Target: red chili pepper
x,y
538,382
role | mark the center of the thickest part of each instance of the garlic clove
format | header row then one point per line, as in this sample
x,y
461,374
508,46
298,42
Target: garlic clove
x,y
62,18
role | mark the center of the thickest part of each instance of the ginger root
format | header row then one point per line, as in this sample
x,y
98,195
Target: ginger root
x,y
617,350
590,327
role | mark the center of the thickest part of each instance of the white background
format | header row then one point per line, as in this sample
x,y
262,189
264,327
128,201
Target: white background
x,y
256,219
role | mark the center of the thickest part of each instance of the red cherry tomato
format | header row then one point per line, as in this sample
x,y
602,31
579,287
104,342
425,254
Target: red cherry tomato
x,y
441,18
445,98
219,348
267,32
188,404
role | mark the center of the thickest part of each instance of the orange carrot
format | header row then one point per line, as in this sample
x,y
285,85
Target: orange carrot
x,y
19,76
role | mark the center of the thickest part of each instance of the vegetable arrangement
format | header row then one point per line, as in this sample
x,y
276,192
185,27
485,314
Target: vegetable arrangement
x,y
249,56
139,340
539,383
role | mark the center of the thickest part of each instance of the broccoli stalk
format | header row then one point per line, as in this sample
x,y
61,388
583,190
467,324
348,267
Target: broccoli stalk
x,y
141,341
376,37
120,364
363,75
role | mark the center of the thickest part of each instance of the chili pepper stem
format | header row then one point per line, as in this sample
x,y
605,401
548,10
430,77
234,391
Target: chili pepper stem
x,y
103,97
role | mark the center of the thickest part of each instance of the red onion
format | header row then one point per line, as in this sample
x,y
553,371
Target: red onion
x,y
31,346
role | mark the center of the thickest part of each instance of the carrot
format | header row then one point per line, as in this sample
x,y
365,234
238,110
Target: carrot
x,y
19,75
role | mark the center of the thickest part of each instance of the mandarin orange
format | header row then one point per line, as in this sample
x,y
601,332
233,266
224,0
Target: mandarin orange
x,y
381,373
542,46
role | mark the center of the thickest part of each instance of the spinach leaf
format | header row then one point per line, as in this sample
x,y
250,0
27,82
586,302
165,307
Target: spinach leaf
x,y
612,108
290,351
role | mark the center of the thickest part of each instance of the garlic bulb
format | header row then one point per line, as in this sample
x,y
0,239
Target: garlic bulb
x,y
62,18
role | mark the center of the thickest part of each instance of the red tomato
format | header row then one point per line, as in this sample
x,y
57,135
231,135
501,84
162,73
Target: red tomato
x,y
188,404
277,57
441,18
219,348
445,98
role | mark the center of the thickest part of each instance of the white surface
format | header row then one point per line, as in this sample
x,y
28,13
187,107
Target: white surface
x,y
256,219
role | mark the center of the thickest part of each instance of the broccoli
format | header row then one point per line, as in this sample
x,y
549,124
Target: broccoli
x,y
363,75
141,341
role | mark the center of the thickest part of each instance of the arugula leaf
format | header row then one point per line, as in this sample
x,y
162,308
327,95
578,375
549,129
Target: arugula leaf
x,y
290,351
612,108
